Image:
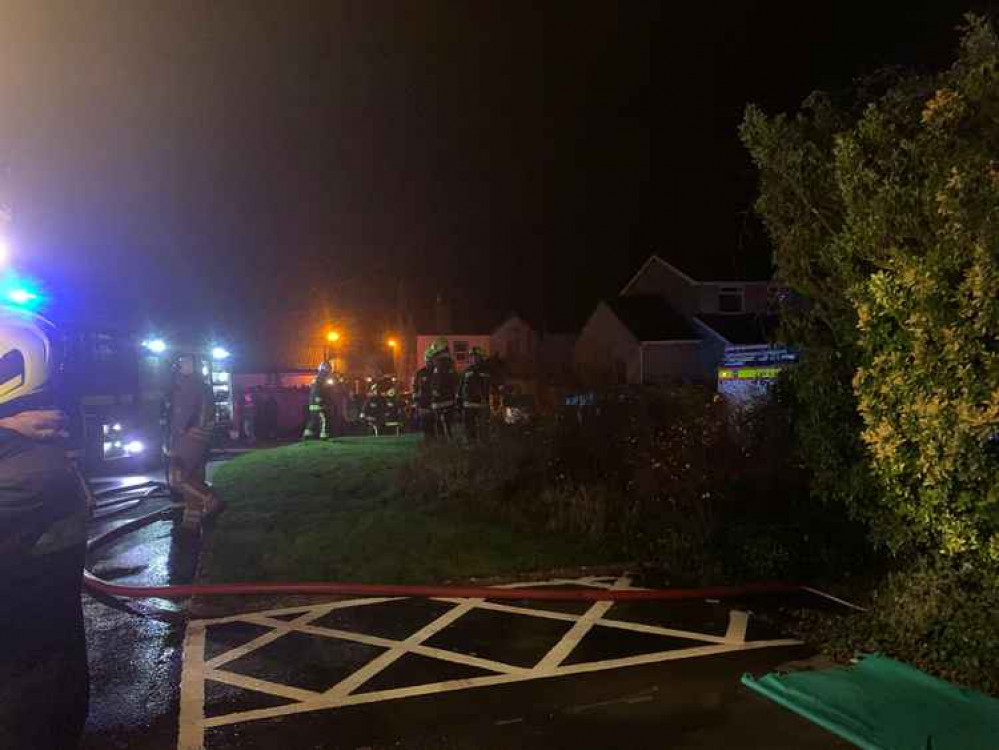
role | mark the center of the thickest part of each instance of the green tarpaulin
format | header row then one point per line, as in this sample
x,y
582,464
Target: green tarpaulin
x,y
882,704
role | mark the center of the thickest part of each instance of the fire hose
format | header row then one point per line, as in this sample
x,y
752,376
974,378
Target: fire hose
x,y
104,589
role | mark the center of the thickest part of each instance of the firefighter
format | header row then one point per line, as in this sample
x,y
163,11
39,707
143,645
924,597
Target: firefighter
x,y
320,404
443,387
381,409
192,419
373,411
474,391
422,398
393,406
44,510
248,415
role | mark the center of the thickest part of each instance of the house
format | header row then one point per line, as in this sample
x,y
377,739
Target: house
x,y
666,326
517,343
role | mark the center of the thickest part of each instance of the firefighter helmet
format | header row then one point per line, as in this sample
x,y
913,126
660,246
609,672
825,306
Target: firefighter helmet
x,y
435,348
27,362
439,346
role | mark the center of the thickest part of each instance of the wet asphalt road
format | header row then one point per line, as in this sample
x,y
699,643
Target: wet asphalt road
x,y
135,661
136,668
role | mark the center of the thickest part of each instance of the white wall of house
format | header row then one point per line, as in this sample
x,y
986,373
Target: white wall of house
x,y
607,349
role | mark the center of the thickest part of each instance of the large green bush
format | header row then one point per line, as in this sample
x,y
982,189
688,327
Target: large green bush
x,y
884,211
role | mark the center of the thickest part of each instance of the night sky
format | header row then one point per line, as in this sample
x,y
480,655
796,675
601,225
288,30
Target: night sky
x,y
241,161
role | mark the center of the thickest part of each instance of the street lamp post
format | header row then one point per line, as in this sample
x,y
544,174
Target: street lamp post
x,y
393,346
332,339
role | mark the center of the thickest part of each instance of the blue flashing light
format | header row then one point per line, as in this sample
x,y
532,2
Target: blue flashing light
x,y
19,292
21,296
219,352
156,346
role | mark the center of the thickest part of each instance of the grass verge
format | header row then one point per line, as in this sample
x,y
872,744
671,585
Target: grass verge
x,y
335,512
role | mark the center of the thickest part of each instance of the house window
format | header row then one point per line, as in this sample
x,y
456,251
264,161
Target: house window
x,y
730,299
461,352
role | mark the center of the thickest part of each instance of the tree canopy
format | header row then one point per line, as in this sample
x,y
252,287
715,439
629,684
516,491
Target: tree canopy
x,y
883,208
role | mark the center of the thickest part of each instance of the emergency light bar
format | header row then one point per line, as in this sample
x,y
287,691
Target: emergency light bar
x,y
156,346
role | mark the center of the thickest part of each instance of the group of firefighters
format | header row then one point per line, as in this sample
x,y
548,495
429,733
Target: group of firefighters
x,y
440,395
329,406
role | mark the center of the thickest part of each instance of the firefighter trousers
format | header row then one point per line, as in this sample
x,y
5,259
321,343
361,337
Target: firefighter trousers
x,y
317,425
444,420
186,477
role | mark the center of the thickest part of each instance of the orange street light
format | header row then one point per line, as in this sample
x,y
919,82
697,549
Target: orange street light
x,y
333,336
392,343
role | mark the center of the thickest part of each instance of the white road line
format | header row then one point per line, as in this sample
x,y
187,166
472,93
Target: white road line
x,y
639,627
661,656
190,730
362,698
344,635
619,624
369,670
486,681
544,614
570,640
469,661
278,628
327,607
738,621
262,686
259,642
369,640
